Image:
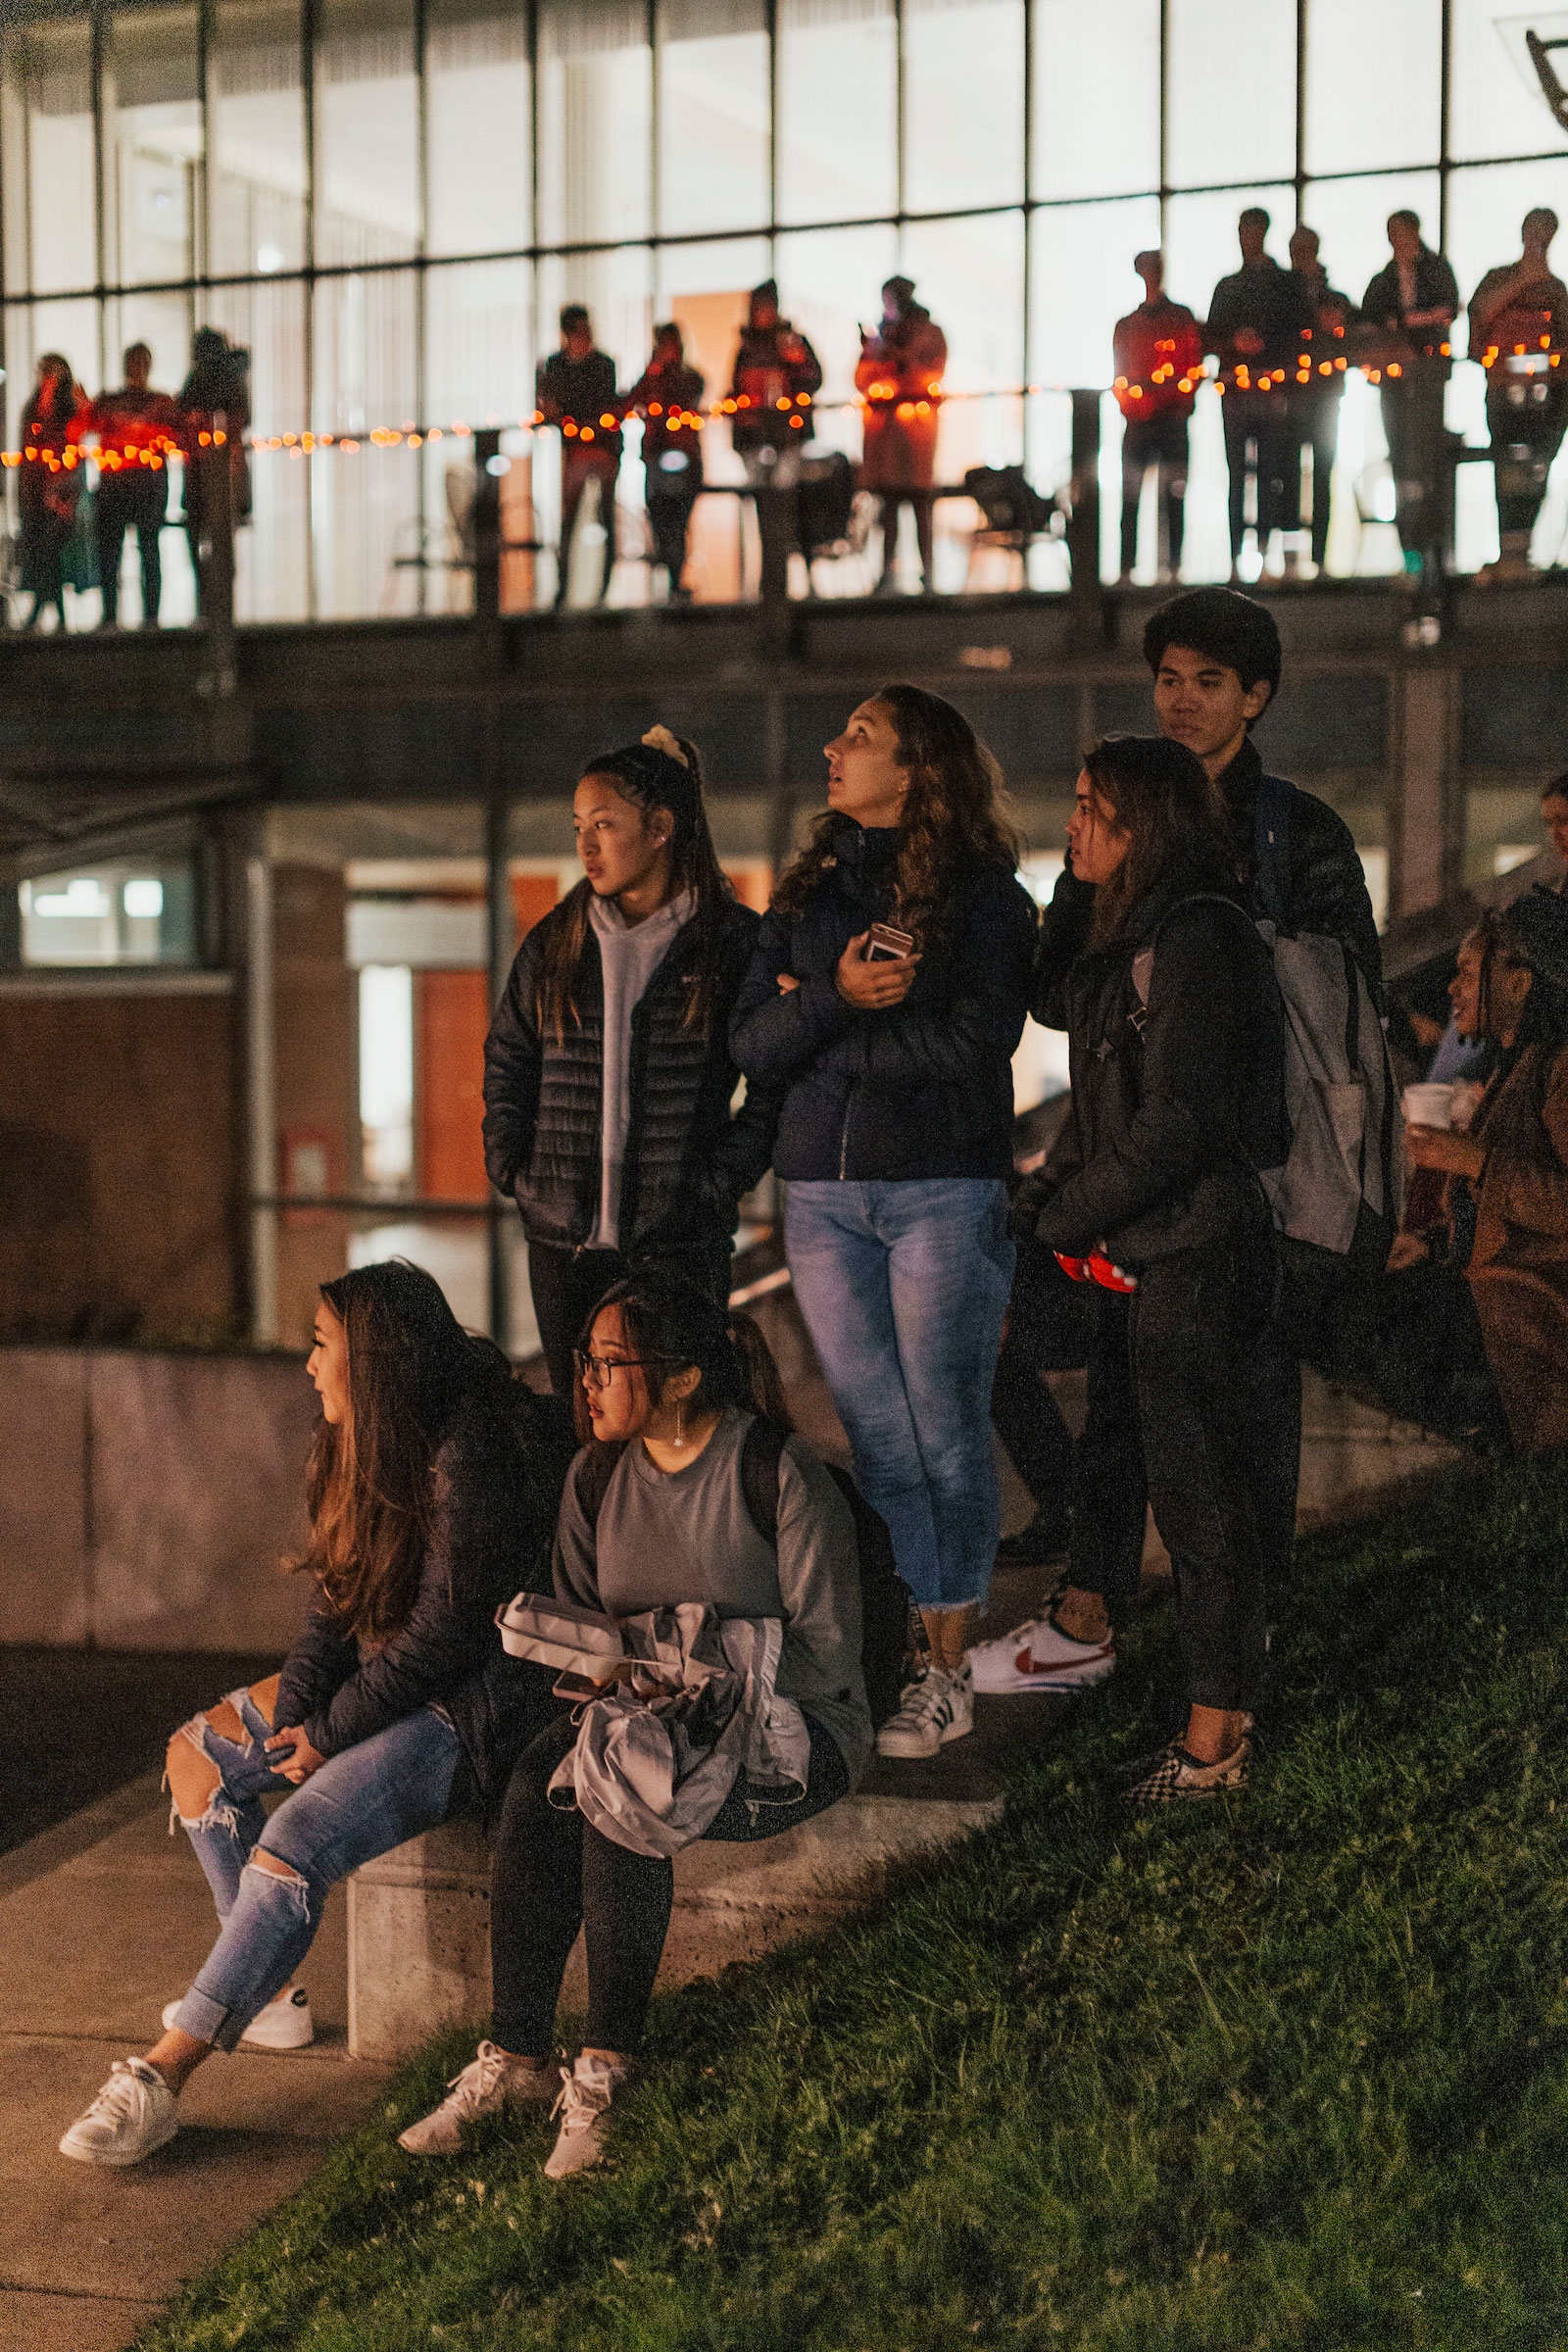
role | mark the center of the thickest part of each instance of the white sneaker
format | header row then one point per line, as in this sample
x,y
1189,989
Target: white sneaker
x,y
1039,1656
132,2114
284,2025
937,1708
490,2083
587,2092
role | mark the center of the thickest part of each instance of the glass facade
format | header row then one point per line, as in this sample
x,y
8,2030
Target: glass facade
x,y
386,200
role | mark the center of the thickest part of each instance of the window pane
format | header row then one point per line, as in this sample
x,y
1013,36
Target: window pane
x,y
51,242
963,103
1082,282
1201,245
969,276
151,146
1232,90
595,112
478,113
837,109
74,329
367,132
256,117
1095,98
830,282
1496,105
1385,108
365,507
714,101
271,553
1351,216
129,911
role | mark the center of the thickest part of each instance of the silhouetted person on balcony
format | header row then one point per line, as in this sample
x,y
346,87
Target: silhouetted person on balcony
x,y
214,398
49,482
137,429
776,373
1312,402
575,390
900,382
668,397
1159,355
1254,329
1519,332
1415,300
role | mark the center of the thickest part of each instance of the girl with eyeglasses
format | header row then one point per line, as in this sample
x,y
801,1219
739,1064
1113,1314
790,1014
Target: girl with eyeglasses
x,y
433,1487
657,1513
608,1080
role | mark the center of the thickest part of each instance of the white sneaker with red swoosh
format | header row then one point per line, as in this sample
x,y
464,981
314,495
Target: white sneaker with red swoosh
x,y
1039,1656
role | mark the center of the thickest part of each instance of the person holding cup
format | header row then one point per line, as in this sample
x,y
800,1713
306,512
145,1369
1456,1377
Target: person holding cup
x,y
1506,1223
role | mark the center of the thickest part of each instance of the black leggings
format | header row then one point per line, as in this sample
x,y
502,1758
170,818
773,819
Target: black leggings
x,y
1195,1405
1049,1324
554,1873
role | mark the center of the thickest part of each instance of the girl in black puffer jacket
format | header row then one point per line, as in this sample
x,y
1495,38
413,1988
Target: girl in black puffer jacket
x,y
1177,1043
607,1074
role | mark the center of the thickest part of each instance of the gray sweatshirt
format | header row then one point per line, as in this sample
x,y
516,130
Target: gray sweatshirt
x,y
629,955
665,1537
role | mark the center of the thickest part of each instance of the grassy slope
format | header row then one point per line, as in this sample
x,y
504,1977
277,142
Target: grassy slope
x,y
1287,2072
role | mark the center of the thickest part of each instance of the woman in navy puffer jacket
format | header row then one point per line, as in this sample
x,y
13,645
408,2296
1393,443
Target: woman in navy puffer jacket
x,y
895,1140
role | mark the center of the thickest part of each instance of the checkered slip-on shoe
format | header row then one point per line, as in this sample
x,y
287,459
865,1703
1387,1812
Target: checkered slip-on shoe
x,y
1178,1778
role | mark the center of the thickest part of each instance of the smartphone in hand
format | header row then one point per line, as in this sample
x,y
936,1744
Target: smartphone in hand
x,y
886,944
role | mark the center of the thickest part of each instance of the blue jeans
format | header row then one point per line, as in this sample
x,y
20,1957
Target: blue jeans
x,y
904,1287
355,1806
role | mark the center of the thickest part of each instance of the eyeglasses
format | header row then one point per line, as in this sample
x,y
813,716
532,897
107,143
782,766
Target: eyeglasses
x,y
597,1371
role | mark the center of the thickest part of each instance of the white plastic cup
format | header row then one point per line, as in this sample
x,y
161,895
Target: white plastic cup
x,y
1428,1106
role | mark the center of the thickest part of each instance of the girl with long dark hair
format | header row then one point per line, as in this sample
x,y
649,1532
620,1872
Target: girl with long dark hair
x,y
433,1485
607,1072
659,1511
1176,1042
885,1000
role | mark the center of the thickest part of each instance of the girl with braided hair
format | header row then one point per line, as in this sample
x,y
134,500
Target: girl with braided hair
x,y
609,1078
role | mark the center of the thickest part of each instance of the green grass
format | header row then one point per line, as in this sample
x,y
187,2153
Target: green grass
x,y
1289,2072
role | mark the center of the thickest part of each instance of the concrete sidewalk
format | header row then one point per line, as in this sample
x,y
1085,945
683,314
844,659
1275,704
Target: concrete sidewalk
x,y
102,1920
105,1917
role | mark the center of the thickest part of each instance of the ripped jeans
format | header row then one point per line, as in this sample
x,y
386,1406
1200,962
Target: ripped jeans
x,y
355,1806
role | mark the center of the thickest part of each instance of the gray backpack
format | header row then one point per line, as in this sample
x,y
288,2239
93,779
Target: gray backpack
x,y
1333,1190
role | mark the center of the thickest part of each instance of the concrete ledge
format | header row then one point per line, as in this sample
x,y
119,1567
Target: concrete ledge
x,y
419,1918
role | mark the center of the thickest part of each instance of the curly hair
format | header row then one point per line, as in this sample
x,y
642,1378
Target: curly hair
x,y
955,815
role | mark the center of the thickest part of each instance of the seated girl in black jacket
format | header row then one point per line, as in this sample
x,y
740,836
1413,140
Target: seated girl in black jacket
x,y
607,1072
1176,1042
433,1489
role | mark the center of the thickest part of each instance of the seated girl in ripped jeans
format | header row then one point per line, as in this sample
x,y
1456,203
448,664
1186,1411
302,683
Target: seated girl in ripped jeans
x,y
433,1489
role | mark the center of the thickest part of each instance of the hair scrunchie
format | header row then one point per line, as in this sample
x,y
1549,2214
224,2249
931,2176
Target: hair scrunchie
x,y
660,739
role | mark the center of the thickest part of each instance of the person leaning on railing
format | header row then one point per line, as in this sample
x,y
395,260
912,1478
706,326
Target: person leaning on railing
x,y
1158,354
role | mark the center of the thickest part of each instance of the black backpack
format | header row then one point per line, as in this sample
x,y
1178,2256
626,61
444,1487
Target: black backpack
x,y
887,1605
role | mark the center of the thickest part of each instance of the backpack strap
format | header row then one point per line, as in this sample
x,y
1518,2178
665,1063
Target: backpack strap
x,y
1271,848
1144,960
761,1471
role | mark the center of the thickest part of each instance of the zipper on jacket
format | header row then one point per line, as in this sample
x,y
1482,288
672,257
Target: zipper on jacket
x,y
844,1139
